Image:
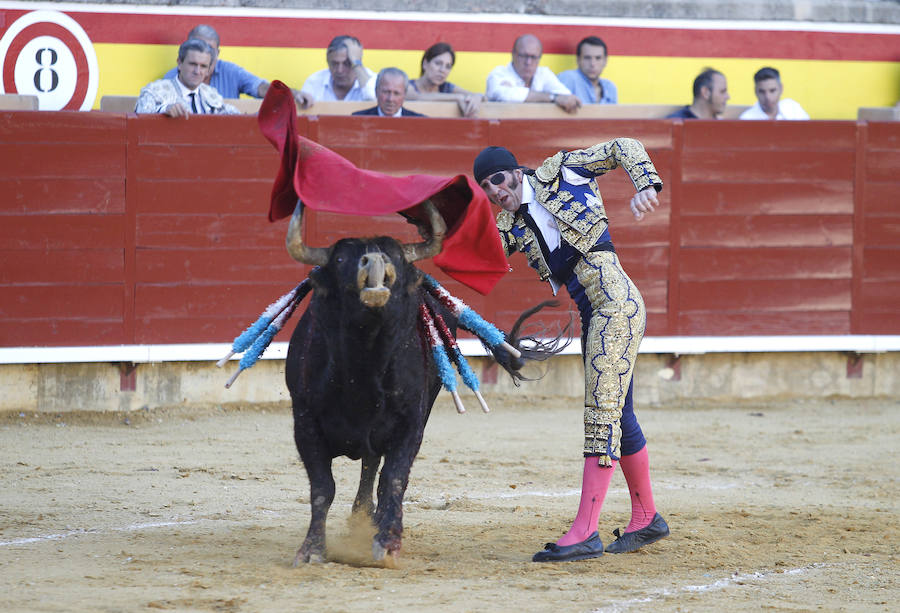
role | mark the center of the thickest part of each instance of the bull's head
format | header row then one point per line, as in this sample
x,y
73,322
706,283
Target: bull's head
x,y
376,274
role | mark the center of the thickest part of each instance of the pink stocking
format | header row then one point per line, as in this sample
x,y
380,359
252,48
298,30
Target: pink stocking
x,y
594,485
636,468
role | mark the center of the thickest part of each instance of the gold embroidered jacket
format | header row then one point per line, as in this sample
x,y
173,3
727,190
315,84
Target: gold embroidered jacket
x,y
581,220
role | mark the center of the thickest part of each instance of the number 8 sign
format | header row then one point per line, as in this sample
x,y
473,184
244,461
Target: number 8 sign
x,y
47,54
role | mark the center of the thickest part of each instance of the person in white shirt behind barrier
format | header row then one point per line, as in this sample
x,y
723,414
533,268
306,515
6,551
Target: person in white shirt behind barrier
x,y
769,103
346,78
524,80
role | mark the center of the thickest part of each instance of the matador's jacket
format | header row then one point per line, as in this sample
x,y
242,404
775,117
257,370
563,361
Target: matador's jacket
x,y
612,310
156,97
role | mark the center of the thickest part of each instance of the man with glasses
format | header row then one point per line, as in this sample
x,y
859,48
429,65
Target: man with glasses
x,y
555,216
524,80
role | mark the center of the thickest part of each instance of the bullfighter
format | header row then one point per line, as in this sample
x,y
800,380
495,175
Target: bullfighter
x,y
555,216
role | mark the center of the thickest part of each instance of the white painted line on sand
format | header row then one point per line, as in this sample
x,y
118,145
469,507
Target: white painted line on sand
x,y
720,584
505,495
64,535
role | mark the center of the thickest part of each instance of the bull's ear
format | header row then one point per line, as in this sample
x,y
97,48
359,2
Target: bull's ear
x,y
415,281
319,280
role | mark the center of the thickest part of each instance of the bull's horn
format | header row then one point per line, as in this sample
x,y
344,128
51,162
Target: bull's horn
x,y
314,256
432,246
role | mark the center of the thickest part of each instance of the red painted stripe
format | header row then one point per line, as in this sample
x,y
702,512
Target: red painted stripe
x,y
127,28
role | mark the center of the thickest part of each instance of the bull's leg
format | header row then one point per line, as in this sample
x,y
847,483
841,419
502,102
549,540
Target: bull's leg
x,y
391,489
321,495
363,503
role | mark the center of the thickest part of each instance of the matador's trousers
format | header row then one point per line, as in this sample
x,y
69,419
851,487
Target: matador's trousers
x,y
613,319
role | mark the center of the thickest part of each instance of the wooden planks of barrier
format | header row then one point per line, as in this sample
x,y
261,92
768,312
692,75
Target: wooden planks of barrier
x,y
123,229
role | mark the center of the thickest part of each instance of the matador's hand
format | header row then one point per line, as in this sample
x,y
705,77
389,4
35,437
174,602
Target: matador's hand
x,y
645,201
177,110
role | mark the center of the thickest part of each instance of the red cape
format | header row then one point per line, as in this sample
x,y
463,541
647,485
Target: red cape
x,y
472,253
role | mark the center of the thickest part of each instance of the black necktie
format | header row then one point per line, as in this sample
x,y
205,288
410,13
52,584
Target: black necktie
x,y
193,101
531,223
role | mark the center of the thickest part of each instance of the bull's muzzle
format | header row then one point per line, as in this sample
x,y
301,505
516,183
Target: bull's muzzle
x,y
375,276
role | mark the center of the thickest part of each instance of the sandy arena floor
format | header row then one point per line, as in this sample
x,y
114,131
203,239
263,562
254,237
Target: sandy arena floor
x,y
787,506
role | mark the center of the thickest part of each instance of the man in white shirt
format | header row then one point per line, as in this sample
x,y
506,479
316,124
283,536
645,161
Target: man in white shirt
x,y
186,93
345,78
769,103
524,80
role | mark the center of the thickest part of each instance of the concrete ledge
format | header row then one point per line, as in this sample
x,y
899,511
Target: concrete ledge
x,y
659,379
677,345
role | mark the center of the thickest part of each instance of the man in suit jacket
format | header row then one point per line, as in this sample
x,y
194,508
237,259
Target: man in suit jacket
x,y
229,79
186,93
390,93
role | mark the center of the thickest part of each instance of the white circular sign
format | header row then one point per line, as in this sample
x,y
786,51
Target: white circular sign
x,y
48,55
46,68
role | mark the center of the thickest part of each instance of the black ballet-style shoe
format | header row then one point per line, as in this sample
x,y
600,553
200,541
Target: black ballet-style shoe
x,y
591,547
632,541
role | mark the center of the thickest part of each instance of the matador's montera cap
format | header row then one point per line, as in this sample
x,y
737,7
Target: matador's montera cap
x,y
491,160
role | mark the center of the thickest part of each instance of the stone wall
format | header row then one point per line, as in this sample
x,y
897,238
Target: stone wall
x,y
716,377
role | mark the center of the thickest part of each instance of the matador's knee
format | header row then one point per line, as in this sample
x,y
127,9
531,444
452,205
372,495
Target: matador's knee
x,y
602,434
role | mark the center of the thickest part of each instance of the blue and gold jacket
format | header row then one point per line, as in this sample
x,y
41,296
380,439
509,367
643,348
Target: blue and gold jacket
x,y
578,209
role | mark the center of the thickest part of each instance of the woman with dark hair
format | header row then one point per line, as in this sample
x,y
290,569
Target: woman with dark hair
x,y
437,62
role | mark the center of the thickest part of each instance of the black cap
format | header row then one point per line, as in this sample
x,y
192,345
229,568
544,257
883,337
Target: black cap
x,y
491,160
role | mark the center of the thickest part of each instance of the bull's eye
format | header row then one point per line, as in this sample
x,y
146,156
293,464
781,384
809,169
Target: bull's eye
x,y
340,259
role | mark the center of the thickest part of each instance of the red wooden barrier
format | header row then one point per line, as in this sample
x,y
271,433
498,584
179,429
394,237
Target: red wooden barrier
x,y
142,230
766,228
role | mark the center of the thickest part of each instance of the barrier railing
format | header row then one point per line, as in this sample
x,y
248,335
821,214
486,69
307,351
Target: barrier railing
x,y
444,109
131,230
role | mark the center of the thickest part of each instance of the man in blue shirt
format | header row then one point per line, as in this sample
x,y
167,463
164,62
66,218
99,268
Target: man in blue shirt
x,y
585,81
229,79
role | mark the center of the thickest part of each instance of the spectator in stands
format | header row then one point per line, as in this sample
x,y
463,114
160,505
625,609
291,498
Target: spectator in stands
x,y
523,80
186,93
769,103
390,92
437,62
710,97
231,80
585,81
346,78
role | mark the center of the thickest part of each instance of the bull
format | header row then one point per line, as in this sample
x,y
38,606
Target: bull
x,y
361,378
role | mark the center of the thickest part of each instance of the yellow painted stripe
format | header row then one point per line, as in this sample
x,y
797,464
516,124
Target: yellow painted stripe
x,y
826,89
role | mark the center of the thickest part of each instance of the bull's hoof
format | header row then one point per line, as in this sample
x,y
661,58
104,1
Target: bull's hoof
x,y
387,557
308,557
378,551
